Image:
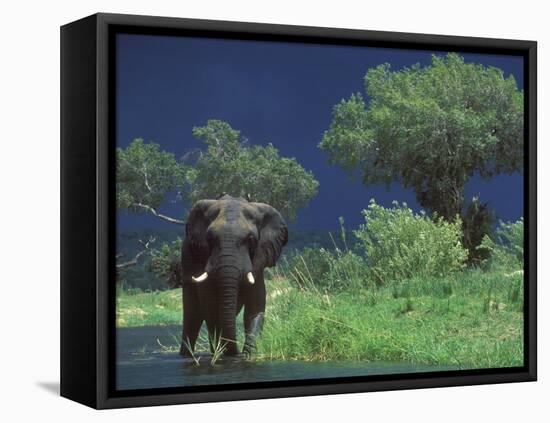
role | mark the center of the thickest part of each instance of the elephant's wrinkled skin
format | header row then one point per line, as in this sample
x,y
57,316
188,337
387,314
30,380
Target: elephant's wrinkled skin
x,y
228,243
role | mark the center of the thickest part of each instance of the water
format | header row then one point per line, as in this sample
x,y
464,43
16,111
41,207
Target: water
x,y
141,364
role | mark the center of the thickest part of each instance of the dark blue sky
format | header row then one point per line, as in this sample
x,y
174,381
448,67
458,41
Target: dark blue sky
x,y
275,92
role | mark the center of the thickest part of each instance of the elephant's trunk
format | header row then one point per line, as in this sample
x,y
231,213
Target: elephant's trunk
x,y
227,313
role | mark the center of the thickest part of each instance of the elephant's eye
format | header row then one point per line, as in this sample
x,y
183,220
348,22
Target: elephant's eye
x,y
252,241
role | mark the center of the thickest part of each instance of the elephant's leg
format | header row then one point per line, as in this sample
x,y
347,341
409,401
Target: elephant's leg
x,y
192,321
191,328
254,311
253,325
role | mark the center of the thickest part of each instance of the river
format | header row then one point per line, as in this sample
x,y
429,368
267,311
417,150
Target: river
x,y
142,364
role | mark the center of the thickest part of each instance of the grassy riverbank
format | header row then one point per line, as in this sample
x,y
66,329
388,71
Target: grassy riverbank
x,y
472,319
139,308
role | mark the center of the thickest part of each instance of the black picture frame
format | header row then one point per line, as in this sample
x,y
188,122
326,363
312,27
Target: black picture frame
x,y
88,212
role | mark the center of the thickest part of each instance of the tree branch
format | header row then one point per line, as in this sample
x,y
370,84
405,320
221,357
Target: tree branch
x,y
146,179
134,261
154,212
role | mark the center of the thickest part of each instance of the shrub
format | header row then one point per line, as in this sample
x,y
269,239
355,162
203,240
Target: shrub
x,y
400,244
506,246
166,263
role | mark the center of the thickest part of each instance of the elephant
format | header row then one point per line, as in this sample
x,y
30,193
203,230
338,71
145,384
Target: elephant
x,y
228,243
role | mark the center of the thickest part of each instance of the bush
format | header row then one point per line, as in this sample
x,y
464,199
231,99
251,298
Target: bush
x,y
506,246
400,244
166,263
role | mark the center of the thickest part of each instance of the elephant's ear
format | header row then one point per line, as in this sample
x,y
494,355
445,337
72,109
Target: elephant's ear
x,y
197,224
273,236
194,251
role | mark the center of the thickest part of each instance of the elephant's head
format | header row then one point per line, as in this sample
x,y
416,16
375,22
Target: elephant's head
x,y
229,242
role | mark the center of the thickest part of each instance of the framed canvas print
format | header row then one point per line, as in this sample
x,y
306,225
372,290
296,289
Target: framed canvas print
x,y
256,211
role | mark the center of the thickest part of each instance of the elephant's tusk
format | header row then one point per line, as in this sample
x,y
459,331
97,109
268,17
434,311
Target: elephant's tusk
x,y
250,277
200,278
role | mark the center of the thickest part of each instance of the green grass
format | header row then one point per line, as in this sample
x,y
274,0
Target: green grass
x,y
137,308
473,319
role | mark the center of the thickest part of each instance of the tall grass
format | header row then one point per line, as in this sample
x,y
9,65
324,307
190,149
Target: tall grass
x,y
471,320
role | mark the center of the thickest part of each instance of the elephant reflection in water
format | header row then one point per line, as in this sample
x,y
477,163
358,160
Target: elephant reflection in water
x,y
228,244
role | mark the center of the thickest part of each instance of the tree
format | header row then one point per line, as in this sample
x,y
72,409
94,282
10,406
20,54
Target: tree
x,y
144,177
430,129
231,166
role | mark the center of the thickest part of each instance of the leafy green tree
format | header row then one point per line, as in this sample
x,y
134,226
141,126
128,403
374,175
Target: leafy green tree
x,y
144,177
430,129
230,165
